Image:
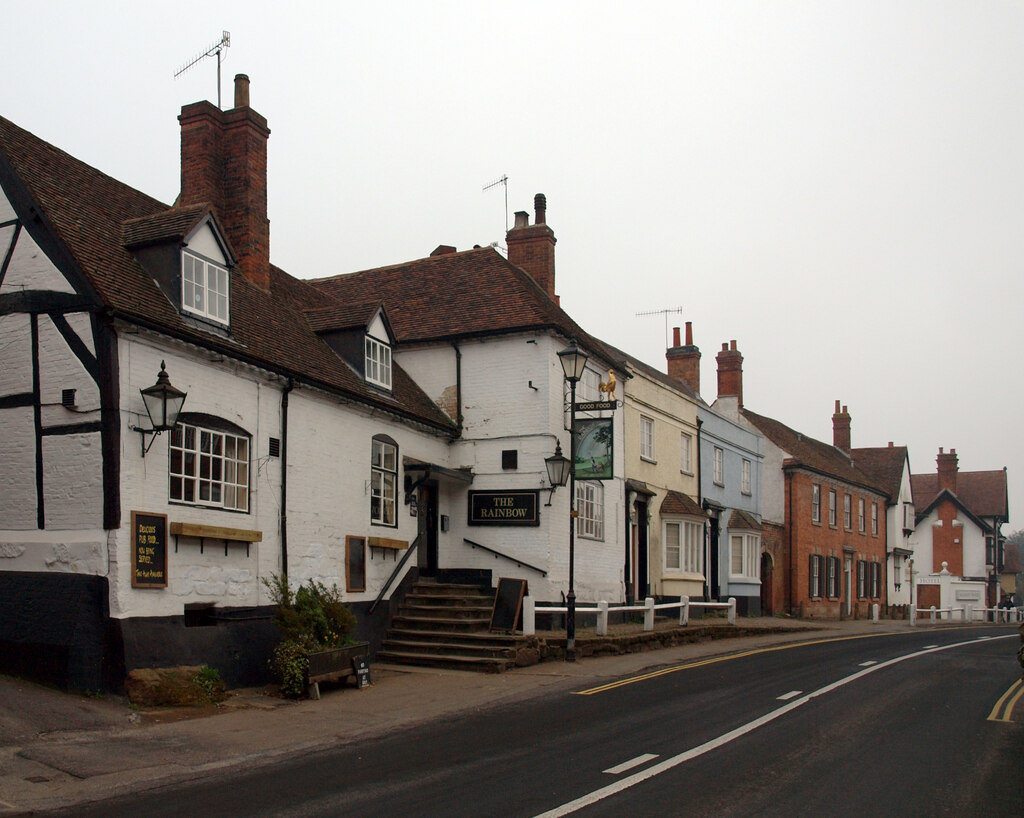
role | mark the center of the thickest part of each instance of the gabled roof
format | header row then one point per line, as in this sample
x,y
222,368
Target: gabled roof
x,y
342,316
921,513
88,213
806,452
473,293
169,225
676,502
885,464
983,493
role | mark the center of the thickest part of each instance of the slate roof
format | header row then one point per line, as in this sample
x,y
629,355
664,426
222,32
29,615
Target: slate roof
x,y
885,464
89,214
676,502
812,454
983,493
467,294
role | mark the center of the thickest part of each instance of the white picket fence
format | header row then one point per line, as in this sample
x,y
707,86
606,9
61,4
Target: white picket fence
x,y
967,613
603,609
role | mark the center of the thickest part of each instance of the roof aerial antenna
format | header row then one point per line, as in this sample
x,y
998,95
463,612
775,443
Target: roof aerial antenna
x,y
216,49
666,314
501,180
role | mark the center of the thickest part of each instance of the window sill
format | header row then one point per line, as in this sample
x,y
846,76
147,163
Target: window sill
x,y
649,460
681,576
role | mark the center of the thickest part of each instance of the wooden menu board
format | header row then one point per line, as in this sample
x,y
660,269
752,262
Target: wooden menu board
x,y
149,550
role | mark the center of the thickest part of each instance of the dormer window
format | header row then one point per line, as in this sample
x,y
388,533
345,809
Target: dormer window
x,y
378,362
204,288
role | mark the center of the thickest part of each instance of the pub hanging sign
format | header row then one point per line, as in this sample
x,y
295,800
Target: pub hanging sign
x,y
514,507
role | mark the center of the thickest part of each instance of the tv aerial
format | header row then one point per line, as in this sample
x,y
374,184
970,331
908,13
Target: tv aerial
x,y
666,314
217,50
501,180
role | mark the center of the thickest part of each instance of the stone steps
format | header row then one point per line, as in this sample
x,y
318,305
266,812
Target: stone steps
x,y
446,625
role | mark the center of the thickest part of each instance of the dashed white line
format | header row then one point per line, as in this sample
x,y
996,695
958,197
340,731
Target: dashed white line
x,y
785,697
869,663
629,765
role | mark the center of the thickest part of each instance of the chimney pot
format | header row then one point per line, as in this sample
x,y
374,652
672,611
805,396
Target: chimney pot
x,y
241,90
522,218
684,361
725,347
837,405
540,206
675,336
732,345
730,373
689,333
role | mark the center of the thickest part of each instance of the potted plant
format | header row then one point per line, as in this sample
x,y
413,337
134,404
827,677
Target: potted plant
x,y
316,636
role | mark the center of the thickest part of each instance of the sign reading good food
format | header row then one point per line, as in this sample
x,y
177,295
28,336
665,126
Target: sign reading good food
x,y
503,508
149,550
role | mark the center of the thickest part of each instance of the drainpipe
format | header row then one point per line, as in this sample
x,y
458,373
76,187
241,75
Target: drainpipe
x,y
458,387
707,537
284,476
629,549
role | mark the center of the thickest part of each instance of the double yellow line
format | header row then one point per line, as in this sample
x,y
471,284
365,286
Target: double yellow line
x,y
1006,703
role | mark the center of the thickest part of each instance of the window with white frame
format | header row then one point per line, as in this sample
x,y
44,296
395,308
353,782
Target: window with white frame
x,y
744,556
832,507
862,579
684,546
860,515
646,438
874,519
745,477
383,481
876,580
847,512
209,467
590,510
204,288
897,570
815,503
816,585
719,466
832,577
378,362
686,443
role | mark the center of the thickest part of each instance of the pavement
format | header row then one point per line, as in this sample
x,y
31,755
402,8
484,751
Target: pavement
x,y
59,749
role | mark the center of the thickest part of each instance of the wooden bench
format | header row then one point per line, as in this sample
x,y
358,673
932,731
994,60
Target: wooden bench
x,y
334,665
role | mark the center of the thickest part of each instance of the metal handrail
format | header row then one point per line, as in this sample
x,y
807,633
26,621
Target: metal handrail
x,y
395,573
520,563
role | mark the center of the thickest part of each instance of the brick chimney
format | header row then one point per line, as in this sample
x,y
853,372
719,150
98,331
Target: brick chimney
x,y
224,162
730,373
532,247
684,361
841,429
948,468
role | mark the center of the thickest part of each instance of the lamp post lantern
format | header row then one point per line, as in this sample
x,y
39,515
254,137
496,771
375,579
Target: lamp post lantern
x,y
574,362
163,404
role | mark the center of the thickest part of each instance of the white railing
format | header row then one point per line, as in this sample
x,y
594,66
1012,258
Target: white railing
x,y
531,609
969,613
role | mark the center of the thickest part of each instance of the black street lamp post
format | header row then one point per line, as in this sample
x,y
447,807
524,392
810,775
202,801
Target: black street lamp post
x,y
574,362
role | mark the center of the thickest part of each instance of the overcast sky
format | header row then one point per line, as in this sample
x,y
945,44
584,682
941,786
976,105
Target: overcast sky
x,y
838,186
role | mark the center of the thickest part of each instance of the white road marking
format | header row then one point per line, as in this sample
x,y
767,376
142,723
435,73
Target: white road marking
x,y
785,697
868,663
929,647
669,763
629,765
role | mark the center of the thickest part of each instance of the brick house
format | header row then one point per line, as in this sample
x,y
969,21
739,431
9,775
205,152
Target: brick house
x,y
958,527
823,519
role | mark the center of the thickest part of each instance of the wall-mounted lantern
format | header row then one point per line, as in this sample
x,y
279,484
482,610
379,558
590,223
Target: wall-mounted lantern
x,y
163,405
558,470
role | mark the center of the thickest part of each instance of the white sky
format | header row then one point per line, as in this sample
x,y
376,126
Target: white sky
x,y
839,186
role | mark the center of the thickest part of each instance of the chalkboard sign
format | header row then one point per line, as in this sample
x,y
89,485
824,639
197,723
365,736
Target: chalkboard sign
x,y
508,604
361,666
149,550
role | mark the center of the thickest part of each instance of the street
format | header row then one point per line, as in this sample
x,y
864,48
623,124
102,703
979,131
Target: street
x,y
880,724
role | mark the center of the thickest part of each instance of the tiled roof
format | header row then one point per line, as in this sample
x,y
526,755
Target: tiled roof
x,y
90,212
678,503
461,295
342,316
744,520
813,454
885,464
173,224
983,493
657,375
